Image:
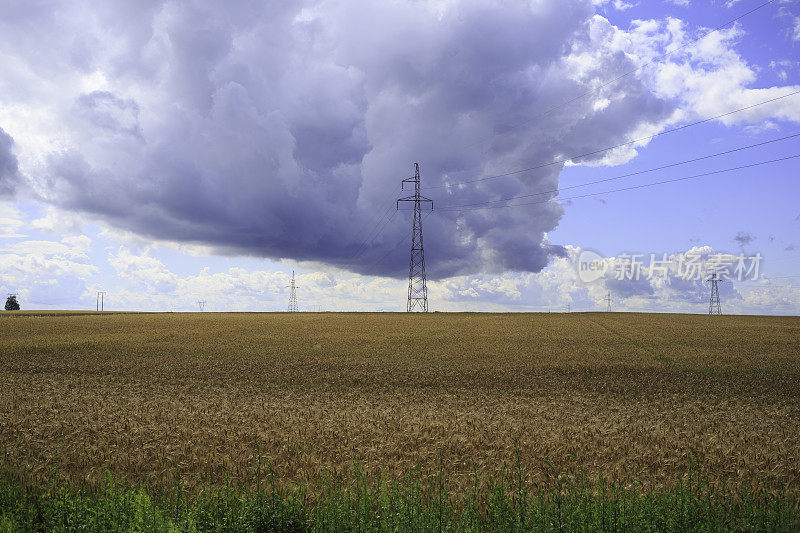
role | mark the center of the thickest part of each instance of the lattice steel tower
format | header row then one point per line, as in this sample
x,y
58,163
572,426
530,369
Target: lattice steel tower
x,y
714,307
293,296
417,284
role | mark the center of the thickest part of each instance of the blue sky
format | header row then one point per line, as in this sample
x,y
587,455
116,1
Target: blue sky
x,y
170,152
710,210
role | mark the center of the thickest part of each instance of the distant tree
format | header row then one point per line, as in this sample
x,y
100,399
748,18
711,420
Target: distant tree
x,y
12,304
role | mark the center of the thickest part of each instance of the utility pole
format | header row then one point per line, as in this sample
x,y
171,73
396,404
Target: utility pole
x,y
100,300
417,282
202,305
714,307
293,296
608,300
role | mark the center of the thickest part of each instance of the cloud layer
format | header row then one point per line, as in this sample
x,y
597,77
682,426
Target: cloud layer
x,y
9,167
57,274
282,129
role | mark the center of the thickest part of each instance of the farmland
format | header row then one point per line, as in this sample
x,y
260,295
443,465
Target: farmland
x,y
213,398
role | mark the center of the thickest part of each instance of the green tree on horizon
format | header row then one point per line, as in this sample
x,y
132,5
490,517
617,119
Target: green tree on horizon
x,y
11,303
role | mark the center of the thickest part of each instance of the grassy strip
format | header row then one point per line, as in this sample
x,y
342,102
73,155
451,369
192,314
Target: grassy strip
x,y
354,504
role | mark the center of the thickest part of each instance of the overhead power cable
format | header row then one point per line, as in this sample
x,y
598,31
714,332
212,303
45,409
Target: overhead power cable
x,y
601,150
637,173
376,232
393,248
376,224
633,187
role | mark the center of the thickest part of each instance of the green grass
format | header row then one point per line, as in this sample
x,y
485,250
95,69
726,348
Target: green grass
x,y
355,504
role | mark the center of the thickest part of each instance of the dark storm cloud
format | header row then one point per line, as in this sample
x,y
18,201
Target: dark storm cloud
x,y
106,111
282,129
9,168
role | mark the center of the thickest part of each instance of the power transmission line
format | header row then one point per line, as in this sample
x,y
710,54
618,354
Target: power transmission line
x,y
403,239
386,254
100,300
642,186
378,228
628,73
381,225
630,174
714,307
608,301
293,297
376,232
601,150
417,282
363,246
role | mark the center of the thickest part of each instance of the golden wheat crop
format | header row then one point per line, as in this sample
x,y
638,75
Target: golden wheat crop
x,y
150,396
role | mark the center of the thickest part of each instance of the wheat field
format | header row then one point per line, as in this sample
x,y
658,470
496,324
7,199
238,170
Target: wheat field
x,y
202,399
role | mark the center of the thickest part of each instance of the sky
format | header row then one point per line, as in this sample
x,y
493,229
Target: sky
x,y
169,152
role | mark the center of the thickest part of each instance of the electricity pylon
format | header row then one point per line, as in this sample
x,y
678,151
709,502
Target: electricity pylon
x,y
714,307
417,283
608,301
293,296
100,300
202,305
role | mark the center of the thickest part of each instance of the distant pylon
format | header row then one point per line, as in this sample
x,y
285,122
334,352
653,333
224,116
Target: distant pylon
x,y
202,305
101,300
417,282
293,296
608,301
714,307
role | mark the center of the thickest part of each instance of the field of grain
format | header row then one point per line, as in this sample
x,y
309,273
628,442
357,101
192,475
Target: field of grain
x,y
207,397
